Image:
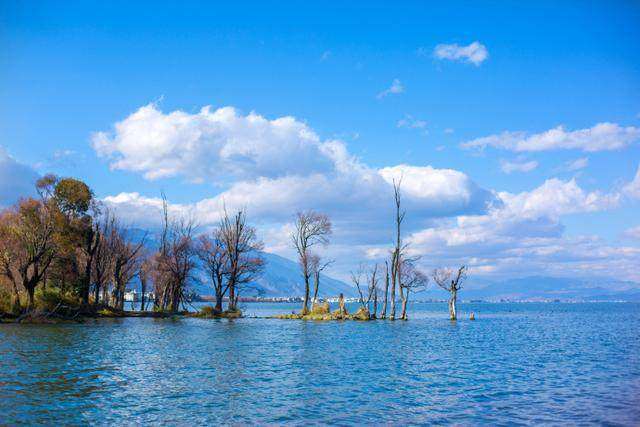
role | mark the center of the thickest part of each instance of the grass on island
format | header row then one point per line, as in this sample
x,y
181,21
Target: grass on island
x,y
323,312
210,312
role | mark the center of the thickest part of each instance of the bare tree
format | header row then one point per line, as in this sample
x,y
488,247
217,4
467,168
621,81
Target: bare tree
x,y
102,269
317,266
213,255
145,268
311,228
386,289
396,255
125,258
242,252
371,290
411,280
176,263
452,283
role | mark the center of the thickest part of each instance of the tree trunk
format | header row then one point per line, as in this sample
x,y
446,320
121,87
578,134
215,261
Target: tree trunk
x,y
386,295
96,294
315,288
404,306
392,316
143,291
16,299
343,311
232,297
453,315
86,281
30,292
374,314
218,306
305,303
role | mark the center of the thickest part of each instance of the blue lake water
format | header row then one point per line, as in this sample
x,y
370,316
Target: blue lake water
x,y
517,363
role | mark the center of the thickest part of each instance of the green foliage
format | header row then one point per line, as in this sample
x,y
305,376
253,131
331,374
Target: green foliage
x,y
73,196
51,299
210,312
6,302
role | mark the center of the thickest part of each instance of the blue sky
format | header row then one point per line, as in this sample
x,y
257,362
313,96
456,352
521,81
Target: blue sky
x,y
463,71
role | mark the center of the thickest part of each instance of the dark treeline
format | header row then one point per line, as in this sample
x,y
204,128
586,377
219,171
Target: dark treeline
x,y
64,252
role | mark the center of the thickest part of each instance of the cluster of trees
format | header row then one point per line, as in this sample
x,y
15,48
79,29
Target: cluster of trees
x,y
401,274
65,242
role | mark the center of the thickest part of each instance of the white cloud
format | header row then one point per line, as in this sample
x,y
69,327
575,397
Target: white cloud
x,y
633,233
409,122
601,137
632,189
212,145
395,88
16,179
517,166
524,235
475,53
450,218
577,164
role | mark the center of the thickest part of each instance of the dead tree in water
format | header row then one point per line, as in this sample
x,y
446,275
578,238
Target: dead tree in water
x,y
371,291
311,228
452,283
386,290
396,255
242,249
411,280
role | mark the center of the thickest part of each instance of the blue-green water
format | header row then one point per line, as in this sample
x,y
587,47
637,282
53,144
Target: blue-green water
x,y
517,363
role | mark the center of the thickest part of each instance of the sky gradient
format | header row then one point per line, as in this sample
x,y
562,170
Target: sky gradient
x,y
515,129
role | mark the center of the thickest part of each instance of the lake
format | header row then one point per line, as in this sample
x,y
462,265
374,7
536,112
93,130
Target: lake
x,y
523,363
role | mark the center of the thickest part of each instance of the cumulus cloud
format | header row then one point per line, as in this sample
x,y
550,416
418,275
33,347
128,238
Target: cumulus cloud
x,y
16,179
601,137
451,219
212,145
475,53
517,166
524,234
395,88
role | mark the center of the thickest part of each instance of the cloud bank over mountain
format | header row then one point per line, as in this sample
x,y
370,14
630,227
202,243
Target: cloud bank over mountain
x,y
275,167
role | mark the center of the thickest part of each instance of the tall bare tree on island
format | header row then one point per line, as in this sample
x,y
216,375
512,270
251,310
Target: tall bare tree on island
x,y
452,283
317,266
312,228
212,254
242,249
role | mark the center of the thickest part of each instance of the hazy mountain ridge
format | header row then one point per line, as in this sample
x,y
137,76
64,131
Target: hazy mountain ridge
x,y
282,278
550,288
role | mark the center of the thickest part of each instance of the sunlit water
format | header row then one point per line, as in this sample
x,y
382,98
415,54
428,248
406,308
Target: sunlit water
x,y
517,363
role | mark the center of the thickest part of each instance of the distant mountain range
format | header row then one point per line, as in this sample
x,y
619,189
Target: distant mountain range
x,y
282,278
551,288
